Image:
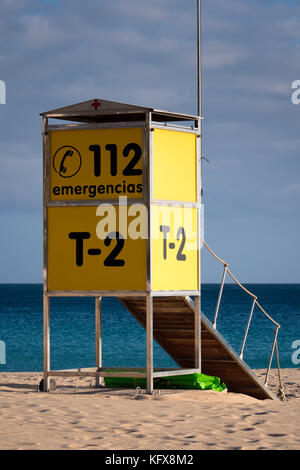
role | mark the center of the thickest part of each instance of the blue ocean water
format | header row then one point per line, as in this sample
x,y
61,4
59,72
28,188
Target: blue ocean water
x,y
124,340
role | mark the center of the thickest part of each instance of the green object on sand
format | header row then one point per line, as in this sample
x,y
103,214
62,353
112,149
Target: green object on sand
x,y
191,381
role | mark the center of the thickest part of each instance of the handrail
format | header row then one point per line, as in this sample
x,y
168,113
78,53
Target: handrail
x,y
214,254
238,282
275,322
241,285
255,302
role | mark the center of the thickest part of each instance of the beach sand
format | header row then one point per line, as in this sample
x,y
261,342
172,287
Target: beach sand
x,y
78,416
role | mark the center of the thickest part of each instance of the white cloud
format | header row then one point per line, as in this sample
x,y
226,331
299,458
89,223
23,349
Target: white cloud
x,y
233,6
291,189
13,4
219,54
291,27
40,32
162,13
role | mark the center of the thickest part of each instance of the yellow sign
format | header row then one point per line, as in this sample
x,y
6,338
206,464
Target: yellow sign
x,y
86,253
174,248
174,165
79,261
96,164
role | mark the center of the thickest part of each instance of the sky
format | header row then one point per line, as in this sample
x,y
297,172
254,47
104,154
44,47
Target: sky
x,y
59,52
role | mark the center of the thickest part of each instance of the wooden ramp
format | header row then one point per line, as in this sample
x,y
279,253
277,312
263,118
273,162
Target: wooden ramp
x,y
173,329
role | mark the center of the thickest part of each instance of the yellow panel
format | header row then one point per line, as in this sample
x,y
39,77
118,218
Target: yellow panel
x,y
174,165
96,164
79,260
174,248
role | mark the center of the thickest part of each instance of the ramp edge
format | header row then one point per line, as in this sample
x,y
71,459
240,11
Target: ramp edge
x,y
243,365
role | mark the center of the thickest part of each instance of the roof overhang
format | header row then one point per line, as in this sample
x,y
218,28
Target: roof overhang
x,y
99,110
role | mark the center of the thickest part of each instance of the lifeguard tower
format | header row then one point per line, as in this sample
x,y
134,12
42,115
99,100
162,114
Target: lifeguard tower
x,y
122,200
122,218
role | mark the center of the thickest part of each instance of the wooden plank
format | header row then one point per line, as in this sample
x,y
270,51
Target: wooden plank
x,y
175,331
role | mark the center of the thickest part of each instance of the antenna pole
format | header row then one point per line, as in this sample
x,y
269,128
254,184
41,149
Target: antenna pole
x,y
199,59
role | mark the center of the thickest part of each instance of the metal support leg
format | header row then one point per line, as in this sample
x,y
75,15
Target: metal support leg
x,y
98,338
198,334
46,327
149,340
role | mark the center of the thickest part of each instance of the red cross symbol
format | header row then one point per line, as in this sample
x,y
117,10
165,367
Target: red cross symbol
x,y
95,104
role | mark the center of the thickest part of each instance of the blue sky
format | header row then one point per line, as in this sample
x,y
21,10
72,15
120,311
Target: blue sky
x,y
54,53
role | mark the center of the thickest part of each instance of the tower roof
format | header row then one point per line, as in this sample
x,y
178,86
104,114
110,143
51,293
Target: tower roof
x,y
99,110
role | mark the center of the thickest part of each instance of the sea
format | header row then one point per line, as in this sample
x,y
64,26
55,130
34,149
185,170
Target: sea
x,y
72,328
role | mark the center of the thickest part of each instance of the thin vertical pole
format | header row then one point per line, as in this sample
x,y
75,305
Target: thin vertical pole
x,y
149,198
199,58
220,296
149,341
271,357
46,331
197,313
281,390
247,329
149,299
98,337
46,300
46,159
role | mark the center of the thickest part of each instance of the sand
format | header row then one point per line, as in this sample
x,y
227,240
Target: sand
x,y
77,416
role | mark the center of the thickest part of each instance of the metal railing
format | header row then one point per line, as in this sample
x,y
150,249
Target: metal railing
x,y
255,303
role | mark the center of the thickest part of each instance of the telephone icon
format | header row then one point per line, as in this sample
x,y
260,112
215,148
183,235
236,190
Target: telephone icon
x,y
62,168
67,161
